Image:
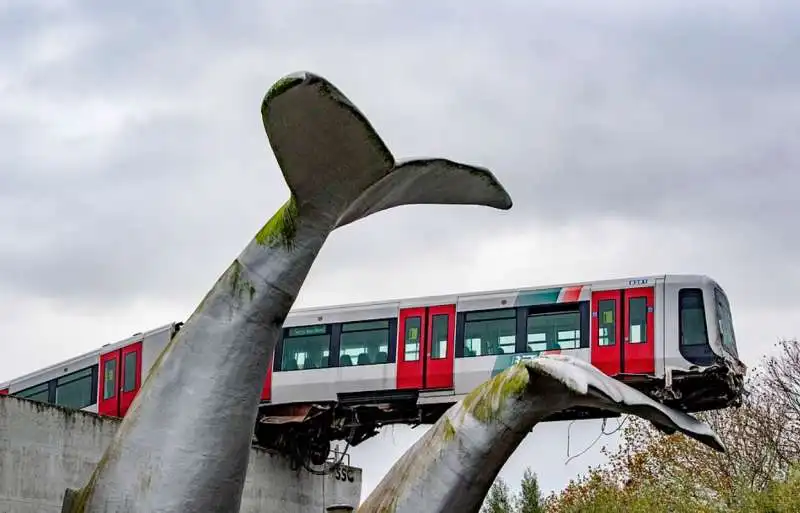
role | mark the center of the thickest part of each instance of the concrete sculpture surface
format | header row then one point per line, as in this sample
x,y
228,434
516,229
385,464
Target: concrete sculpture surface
x,y
453,465
183,445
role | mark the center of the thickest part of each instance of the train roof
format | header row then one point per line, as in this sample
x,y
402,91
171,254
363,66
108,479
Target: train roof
x,y
306,312
89,354
444,298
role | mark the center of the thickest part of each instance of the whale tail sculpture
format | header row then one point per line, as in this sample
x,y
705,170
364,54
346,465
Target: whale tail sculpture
x,y
337,167
453,465
184,443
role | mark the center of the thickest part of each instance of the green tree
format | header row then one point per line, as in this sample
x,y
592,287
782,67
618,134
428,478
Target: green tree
x,y
529,499
499,498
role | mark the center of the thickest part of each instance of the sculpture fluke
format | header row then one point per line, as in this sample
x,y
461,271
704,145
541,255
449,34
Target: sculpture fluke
x,y
184,443
453,465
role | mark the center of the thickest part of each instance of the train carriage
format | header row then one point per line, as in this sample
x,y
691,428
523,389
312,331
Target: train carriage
x,y
340,372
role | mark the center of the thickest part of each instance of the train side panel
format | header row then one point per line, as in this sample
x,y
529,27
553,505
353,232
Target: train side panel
x,y
152,345
510,312
311,355
53,372
124,366
329,352
471,372
660,319
323,385
693,323
672,358
72,383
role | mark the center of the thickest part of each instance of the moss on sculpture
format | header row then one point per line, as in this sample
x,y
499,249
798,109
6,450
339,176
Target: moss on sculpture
x,y
487,401
240,285
279,87
281,227
449,431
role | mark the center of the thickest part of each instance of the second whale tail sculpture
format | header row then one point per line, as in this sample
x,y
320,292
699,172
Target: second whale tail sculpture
x,y
184,444
453,465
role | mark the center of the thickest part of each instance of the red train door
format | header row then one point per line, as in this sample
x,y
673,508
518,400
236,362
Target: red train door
x,y
426,347
627,346
639,350
606,344
410,348
4,391
120,379
108,397
440,347
130,375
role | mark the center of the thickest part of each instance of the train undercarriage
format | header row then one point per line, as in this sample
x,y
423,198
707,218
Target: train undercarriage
x,y
304,432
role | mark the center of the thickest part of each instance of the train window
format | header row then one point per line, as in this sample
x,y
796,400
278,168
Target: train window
x,y
637,315
725,322
491,332
548,331
364,343
39,392
411,340
75,390
306,347
129,373
606,324
110,379
692,318
439,329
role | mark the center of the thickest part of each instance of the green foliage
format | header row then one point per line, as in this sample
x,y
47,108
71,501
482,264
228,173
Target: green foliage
x,y
501,500
529,499
778,497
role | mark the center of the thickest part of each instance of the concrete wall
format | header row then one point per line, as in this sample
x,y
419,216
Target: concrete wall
x,y
45,449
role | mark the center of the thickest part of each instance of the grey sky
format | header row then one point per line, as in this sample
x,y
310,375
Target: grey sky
x,y
633,137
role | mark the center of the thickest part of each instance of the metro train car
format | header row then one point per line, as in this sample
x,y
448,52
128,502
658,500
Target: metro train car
x,y
342,372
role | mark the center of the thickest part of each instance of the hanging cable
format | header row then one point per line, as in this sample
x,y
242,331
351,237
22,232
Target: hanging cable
x,y
602,433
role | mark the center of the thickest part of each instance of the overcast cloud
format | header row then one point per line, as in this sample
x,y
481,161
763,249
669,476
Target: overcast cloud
x,y
633,137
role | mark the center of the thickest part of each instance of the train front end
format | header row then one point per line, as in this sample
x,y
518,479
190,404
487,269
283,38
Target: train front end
x,y
704,371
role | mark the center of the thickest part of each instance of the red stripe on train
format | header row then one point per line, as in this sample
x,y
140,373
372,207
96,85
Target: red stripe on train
x,y
572,294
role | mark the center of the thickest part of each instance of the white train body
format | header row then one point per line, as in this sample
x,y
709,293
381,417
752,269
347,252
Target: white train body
x,y
670,335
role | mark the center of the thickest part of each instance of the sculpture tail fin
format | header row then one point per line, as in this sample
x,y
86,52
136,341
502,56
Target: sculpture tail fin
x,y
428,181
335,163
590,387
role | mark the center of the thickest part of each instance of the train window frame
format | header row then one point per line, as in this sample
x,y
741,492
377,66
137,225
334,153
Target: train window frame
x,y
85,376
51,387
612,327
131,357
722,310
110,392
549,315
683,295
439,344
288,336
46,388
508,315
698,354
417,353
642,315
365,326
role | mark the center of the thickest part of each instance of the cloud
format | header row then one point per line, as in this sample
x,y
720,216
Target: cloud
x,y
634,138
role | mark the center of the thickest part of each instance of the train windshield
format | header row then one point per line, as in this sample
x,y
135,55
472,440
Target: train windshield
x,y
725,322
